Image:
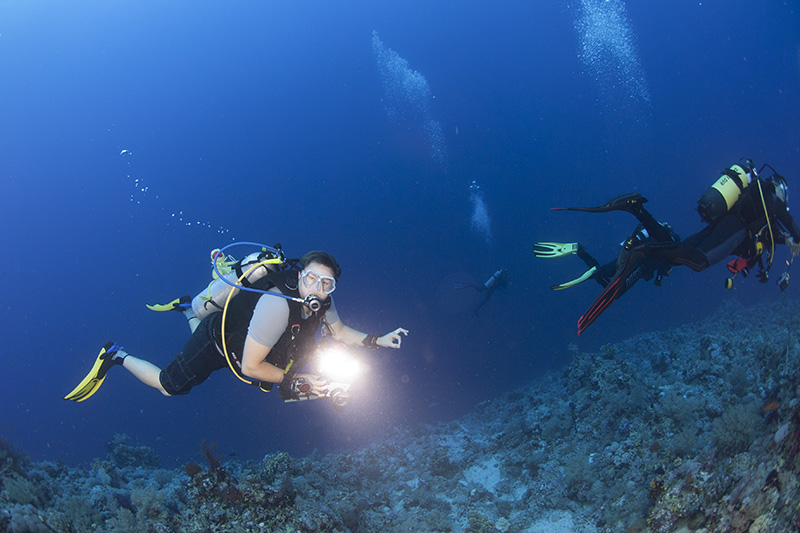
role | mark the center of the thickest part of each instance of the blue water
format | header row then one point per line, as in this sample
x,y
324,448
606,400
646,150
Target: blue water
x,y
278,122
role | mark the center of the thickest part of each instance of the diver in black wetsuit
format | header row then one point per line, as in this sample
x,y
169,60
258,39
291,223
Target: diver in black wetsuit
x,y
648,230
747,215
498,280
760,219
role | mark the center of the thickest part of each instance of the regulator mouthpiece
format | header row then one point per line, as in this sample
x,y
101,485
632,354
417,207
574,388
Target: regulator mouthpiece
x,y
313,303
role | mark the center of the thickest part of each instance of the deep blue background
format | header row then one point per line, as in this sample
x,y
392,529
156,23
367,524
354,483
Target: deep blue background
x,y
265,118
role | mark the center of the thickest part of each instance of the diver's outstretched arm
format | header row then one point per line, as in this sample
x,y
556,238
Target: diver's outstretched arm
x,y
352,337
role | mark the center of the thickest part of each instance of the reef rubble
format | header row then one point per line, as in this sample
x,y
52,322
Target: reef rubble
x,y
696,428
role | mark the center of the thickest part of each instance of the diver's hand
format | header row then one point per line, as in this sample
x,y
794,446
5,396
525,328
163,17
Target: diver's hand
x,y
393,339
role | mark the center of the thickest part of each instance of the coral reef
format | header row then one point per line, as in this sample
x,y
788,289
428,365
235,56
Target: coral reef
x,y
695,428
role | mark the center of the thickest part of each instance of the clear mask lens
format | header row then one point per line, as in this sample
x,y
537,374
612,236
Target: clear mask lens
x,y
315,281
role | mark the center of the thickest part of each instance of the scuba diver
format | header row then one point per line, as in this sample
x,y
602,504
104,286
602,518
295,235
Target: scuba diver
x,y
264,333
746,214
648,230
498,280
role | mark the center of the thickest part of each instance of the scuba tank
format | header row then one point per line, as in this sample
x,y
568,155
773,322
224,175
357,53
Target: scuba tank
x,y
213,298
720,197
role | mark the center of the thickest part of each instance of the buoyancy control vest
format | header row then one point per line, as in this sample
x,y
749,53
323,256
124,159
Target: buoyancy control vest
x,y
758,210
297,341
753,211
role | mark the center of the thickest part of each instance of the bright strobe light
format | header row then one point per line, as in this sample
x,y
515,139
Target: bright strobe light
x,y
337,364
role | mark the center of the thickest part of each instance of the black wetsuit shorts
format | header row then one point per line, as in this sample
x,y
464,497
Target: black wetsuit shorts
x,y
197,361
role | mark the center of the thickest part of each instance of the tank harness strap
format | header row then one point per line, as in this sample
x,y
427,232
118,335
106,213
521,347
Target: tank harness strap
x,y
240,274
264,259
291,264
734,176
212,303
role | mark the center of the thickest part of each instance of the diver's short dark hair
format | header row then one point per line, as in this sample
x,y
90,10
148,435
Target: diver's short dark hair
x,y
323,258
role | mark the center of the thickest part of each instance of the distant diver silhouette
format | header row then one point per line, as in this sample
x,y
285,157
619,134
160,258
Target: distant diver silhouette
x,y
498,280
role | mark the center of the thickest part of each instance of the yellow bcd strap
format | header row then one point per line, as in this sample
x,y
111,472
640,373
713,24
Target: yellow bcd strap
x,y
769,225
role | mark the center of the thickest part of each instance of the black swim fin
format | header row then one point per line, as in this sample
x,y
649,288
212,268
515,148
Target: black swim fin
x,y
623,202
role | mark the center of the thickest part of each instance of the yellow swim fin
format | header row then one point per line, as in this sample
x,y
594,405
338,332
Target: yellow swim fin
x,y
586,275
555,249
178,304
89,385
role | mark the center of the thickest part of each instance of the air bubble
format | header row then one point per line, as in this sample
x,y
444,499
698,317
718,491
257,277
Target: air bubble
x,y
407,97
608,51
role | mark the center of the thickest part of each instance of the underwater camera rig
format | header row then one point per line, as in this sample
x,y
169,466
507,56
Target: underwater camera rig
x,y
301,388
336,369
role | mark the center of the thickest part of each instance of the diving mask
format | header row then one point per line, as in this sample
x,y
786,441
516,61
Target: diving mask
x,y
315,281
